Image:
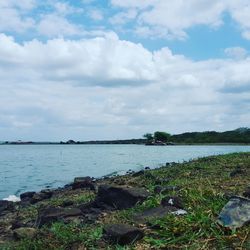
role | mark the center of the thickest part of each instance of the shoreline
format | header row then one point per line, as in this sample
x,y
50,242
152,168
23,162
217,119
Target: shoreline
x,y
175,144
208,177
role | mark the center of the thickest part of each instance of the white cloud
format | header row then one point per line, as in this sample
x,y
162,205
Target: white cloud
x,y
53,26
123,17
174,18
96,15
14,15
236,52
105,87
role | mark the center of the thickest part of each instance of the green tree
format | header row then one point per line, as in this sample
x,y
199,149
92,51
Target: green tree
x,y
148,136
161,136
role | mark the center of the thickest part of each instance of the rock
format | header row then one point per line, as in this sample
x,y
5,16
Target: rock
x,y
247,192
83,182
122,234
6,206
130,171
50,215
172,201
24,233
139,173
67,203
154,213
121,197
237,171
26,196
147,168
43,195
235,213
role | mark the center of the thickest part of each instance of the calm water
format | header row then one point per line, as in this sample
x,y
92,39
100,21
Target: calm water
x,y
34,167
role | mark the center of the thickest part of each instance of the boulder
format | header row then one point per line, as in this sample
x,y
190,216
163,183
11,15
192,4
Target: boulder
x,y
43,195
235,213
67,203
122,234
6,206
174,201
50,215
26,196
83,182
24,233
154,213
121,197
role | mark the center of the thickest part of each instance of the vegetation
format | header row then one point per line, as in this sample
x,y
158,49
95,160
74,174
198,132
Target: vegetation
x,y
161,136
203,185
241,135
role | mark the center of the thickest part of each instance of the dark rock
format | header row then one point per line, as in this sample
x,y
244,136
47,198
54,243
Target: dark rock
x,y
147,168
130,171
24,233
67,203
43,195
237,171
122,234
139,173
83,182
26,196
50,215
247,192
172,201
121,197
6,206
154,213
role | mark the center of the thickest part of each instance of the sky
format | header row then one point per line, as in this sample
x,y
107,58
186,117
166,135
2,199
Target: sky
x,y
116,69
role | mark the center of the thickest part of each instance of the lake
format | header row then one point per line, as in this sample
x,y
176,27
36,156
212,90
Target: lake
x,y
35,167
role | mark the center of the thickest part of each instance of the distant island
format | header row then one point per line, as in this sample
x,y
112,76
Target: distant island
x,y
237,136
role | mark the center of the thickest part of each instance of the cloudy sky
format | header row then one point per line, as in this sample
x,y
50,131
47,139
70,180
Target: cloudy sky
x,y
109,69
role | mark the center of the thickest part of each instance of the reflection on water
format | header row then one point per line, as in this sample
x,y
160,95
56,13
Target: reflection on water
x,y
33,167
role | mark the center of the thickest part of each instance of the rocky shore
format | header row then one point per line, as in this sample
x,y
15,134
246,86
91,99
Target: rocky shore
x,y
201,204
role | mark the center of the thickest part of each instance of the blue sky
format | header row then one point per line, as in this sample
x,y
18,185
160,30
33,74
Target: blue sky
x,y
109,69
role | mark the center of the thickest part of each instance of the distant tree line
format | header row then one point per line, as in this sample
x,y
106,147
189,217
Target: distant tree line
x,y
240,135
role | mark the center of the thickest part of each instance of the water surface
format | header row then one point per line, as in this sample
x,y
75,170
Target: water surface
x,y
34,167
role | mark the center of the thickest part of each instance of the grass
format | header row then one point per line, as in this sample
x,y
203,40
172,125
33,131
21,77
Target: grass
x,y
202,184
